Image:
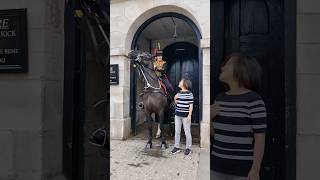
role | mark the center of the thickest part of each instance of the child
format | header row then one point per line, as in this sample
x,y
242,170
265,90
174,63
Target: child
x,y
183,113
239,122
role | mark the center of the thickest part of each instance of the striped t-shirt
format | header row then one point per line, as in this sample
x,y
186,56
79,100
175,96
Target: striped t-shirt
x,y
239,118
184,99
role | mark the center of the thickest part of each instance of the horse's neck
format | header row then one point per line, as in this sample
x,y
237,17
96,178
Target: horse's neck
x,y
153,80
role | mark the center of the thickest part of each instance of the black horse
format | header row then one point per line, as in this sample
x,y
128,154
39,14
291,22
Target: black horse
x,y
154,98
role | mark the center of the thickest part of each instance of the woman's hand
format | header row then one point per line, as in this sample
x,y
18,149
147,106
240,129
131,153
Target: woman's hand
x,y
253,175
189,118
214,110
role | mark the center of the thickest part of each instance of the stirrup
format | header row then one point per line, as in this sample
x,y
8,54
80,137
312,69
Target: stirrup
x,y
140,105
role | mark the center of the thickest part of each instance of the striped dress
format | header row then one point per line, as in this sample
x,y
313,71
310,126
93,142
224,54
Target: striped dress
x,y
184,99
240,117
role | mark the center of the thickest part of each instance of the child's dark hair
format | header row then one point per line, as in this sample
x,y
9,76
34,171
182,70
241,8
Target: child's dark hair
x,y
186,83
247,70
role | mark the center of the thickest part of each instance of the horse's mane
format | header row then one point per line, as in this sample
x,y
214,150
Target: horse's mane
x,y
133,54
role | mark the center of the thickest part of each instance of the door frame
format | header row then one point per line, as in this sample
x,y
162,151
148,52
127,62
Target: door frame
x,y
290,17
290,33
133,77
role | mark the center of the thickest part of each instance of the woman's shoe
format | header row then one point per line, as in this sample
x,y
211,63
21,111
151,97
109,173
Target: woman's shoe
x,y
175,150
187,152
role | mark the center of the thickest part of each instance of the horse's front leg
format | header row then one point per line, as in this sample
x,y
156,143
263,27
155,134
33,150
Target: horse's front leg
x,y
163,144
150,124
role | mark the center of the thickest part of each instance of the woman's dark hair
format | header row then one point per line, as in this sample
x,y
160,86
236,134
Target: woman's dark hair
x,y
186,83
246,70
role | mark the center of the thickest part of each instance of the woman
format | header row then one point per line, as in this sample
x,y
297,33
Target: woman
x,y
183,113
239,122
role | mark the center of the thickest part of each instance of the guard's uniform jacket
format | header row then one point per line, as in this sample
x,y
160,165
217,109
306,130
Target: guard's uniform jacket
x,y
160,67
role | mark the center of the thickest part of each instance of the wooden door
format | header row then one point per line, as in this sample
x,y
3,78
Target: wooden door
x,y
256,28
182,59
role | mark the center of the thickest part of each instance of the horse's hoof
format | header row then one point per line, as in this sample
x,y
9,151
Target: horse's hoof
x,y
148,146
163,146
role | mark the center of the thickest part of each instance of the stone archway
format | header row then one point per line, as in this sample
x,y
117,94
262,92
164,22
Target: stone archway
x,y
163,35
152,13
122,31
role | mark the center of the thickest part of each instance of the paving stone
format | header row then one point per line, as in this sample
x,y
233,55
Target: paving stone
x,y
129,160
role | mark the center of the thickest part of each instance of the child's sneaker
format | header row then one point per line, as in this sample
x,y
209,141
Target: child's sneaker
x,y
175,150
187,152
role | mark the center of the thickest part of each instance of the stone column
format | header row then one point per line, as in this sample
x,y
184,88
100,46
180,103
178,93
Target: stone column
x,y
205,123
308,88
120,121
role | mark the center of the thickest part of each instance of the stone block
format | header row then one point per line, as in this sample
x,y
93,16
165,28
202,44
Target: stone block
x,y
120,24
308,88
308,6
6,154
53,105
120,128
308,29
308,58
28,154
117,39
205,135
308,159
52,151
21,104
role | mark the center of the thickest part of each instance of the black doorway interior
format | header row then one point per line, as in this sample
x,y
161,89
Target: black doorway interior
x,y
264,30
182,59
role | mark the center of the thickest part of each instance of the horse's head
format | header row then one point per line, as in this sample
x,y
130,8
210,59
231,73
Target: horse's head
x,y
143,58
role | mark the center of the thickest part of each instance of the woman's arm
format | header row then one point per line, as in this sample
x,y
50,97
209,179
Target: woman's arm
x,y
190,109
175,98
190,112
258,151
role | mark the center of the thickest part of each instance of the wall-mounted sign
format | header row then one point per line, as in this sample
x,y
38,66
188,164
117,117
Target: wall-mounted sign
x,y
114,74
13,41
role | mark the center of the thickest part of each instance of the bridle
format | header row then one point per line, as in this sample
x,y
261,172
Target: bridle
x,y
141,69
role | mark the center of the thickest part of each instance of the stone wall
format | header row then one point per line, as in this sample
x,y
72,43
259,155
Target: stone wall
x,y
308,88
31,103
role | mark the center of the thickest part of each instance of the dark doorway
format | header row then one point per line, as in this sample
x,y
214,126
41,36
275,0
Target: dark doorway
x,y
258,29
85,84
182,59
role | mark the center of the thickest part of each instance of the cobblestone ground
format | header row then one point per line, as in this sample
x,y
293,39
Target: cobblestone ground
x,y
130,161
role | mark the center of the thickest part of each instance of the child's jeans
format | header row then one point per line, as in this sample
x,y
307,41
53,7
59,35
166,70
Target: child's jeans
x,y
186,127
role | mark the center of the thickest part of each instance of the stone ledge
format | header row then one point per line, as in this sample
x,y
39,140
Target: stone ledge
x,y
205,135
120,129
205,43
6,153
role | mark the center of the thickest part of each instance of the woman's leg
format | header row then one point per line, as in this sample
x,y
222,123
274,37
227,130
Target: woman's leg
x,y
187,131
177,125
